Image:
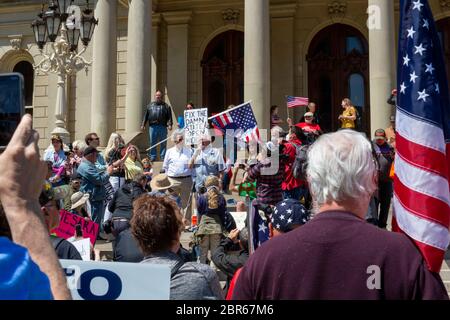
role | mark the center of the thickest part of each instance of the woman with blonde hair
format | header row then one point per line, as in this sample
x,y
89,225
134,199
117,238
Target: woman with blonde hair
x,y
133,164
114,157
348,116
211,208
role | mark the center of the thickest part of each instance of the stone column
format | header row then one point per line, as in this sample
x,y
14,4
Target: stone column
x,y
104,69
282,65
381,60
155,36
177,59
257,59
138,62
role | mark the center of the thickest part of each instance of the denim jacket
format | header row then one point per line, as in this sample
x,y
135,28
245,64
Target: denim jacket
x,y
92,180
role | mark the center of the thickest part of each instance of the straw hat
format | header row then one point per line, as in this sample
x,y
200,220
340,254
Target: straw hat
x,y
160,182
78,199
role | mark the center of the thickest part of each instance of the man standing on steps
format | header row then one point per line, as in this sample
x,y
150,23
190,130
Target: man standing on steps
x,y
159,117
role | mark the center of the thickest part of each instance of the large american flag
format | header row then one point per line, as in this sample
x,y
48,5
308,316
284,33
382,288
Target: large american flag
x,y
239,119
293,102
421,184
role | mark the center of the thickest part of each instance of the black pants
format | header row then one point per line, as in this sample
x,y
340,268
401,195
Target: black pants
x,y
383,202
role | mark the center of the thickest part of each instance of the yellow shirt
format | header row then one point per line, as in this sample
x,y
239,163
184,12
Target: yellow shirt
x,y
347,123
132,168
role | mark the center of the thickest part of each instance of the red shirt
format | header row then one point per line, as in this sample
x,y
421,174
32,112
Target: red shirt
x,y
290,182
307,127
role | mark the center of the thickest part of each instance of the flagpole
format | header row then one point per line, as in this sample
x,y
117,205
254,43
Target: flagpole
x,y
226,111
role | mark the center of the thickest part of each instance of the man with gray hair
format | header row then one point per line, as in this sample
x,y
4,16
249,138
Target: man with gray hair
x,y
176,166
337,255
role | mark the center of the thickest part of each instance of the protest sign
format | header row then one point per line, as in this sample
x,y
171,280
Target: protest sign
x,y
195,125
67,223
239,218
98,280
84,248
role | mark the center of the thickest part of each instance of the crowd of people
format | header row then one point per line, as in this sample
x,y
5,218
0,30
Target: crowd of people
x,y
328,194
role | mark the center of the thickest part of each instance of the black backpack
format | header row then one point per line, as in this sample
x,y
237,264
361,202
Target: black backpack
x,y
300,162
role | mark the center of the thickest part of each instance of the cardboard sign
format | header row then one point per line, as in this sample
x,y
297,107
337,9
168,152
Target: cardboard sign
x,y
84,248
67,223
89,280
195,125
239,218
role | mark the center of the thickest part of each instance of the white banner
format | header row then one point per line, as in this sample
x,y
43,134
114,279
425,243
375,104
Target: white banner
x,y
84,248
195,125
89,280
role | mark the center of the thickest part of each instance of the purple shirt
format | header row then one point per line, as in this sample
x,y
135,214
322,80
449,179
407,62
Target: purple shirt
x,y
333,257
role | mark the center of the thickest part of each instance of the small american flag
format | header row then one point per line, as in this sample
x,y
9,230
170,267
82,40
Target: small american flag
x,y
239,119
293,102
421,183
258,228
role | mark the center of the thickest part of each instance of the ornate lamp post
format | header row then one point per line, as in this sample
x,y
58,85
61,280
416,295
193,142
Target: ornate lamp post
x,y
64,60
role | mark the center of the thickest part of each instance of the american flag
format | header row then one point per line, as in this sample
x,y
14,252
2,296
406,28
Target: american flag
x,y
421,185
293,102
239,119
258,228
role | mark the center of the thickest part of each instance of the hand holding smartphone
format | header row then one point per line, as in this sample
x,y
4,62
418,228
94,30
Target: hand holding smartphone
x,y
12,105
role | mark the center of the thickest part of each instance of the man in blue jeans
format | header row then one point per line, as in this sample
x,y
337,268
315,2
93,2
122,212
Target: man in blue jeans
x,y
159,117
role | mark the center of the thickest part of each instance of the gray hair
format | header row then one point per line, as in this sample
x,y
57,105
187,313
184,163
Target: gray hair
x,y
81,145
177,133
341,167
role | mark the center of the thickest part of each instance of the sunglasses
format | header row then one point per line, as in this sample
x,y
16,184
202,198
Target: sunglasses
x,y
95,139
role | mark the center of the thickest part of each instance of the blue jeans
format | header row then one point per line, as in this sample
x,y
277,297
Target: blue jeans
x,y
97,212
157,133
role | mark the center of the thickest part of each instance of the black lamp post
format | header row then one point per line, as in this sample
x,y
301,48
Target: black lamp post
x,y
63,5
73,33
88,23
52,19
40,30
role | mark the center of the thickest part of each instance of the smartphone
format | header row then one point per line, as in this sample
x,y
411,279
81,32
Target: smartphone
x,y
12,105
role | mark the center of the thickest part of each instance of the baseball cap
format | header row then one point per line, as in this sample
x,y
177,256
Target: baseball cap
x,y
289,213
89,150
380,134
49,193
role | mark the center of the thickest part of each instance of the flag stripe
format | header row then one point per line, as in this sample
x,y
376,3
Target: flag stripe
x,y
422,205
427,232
432,256
422,157
420,132
422,181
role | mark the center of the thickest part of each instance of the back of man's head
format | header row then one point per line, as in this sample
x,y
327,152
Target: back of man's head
x,y
341,167
139,178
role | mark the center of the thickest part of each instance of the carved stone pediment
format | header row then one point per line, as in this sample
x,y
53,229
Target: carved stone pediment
x,y
231,15
16,41
337,8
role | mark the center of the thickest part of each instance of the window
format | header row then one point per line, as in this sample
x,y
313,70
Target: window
x,y
26,69
356,89
353,43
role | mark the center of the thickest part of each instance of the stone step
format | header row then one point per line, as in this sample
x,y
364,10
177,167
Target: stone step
x,y
445,275
447,286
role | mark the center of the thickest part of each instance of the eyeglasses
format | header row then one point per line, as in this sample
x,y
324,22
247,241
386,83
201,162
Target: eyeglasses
x,y
95,138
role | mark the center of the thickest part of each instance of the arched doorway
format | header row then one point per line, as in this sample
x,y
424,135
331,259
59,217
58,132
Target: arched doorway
x,y
338,67
443,28
26,69
223,71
